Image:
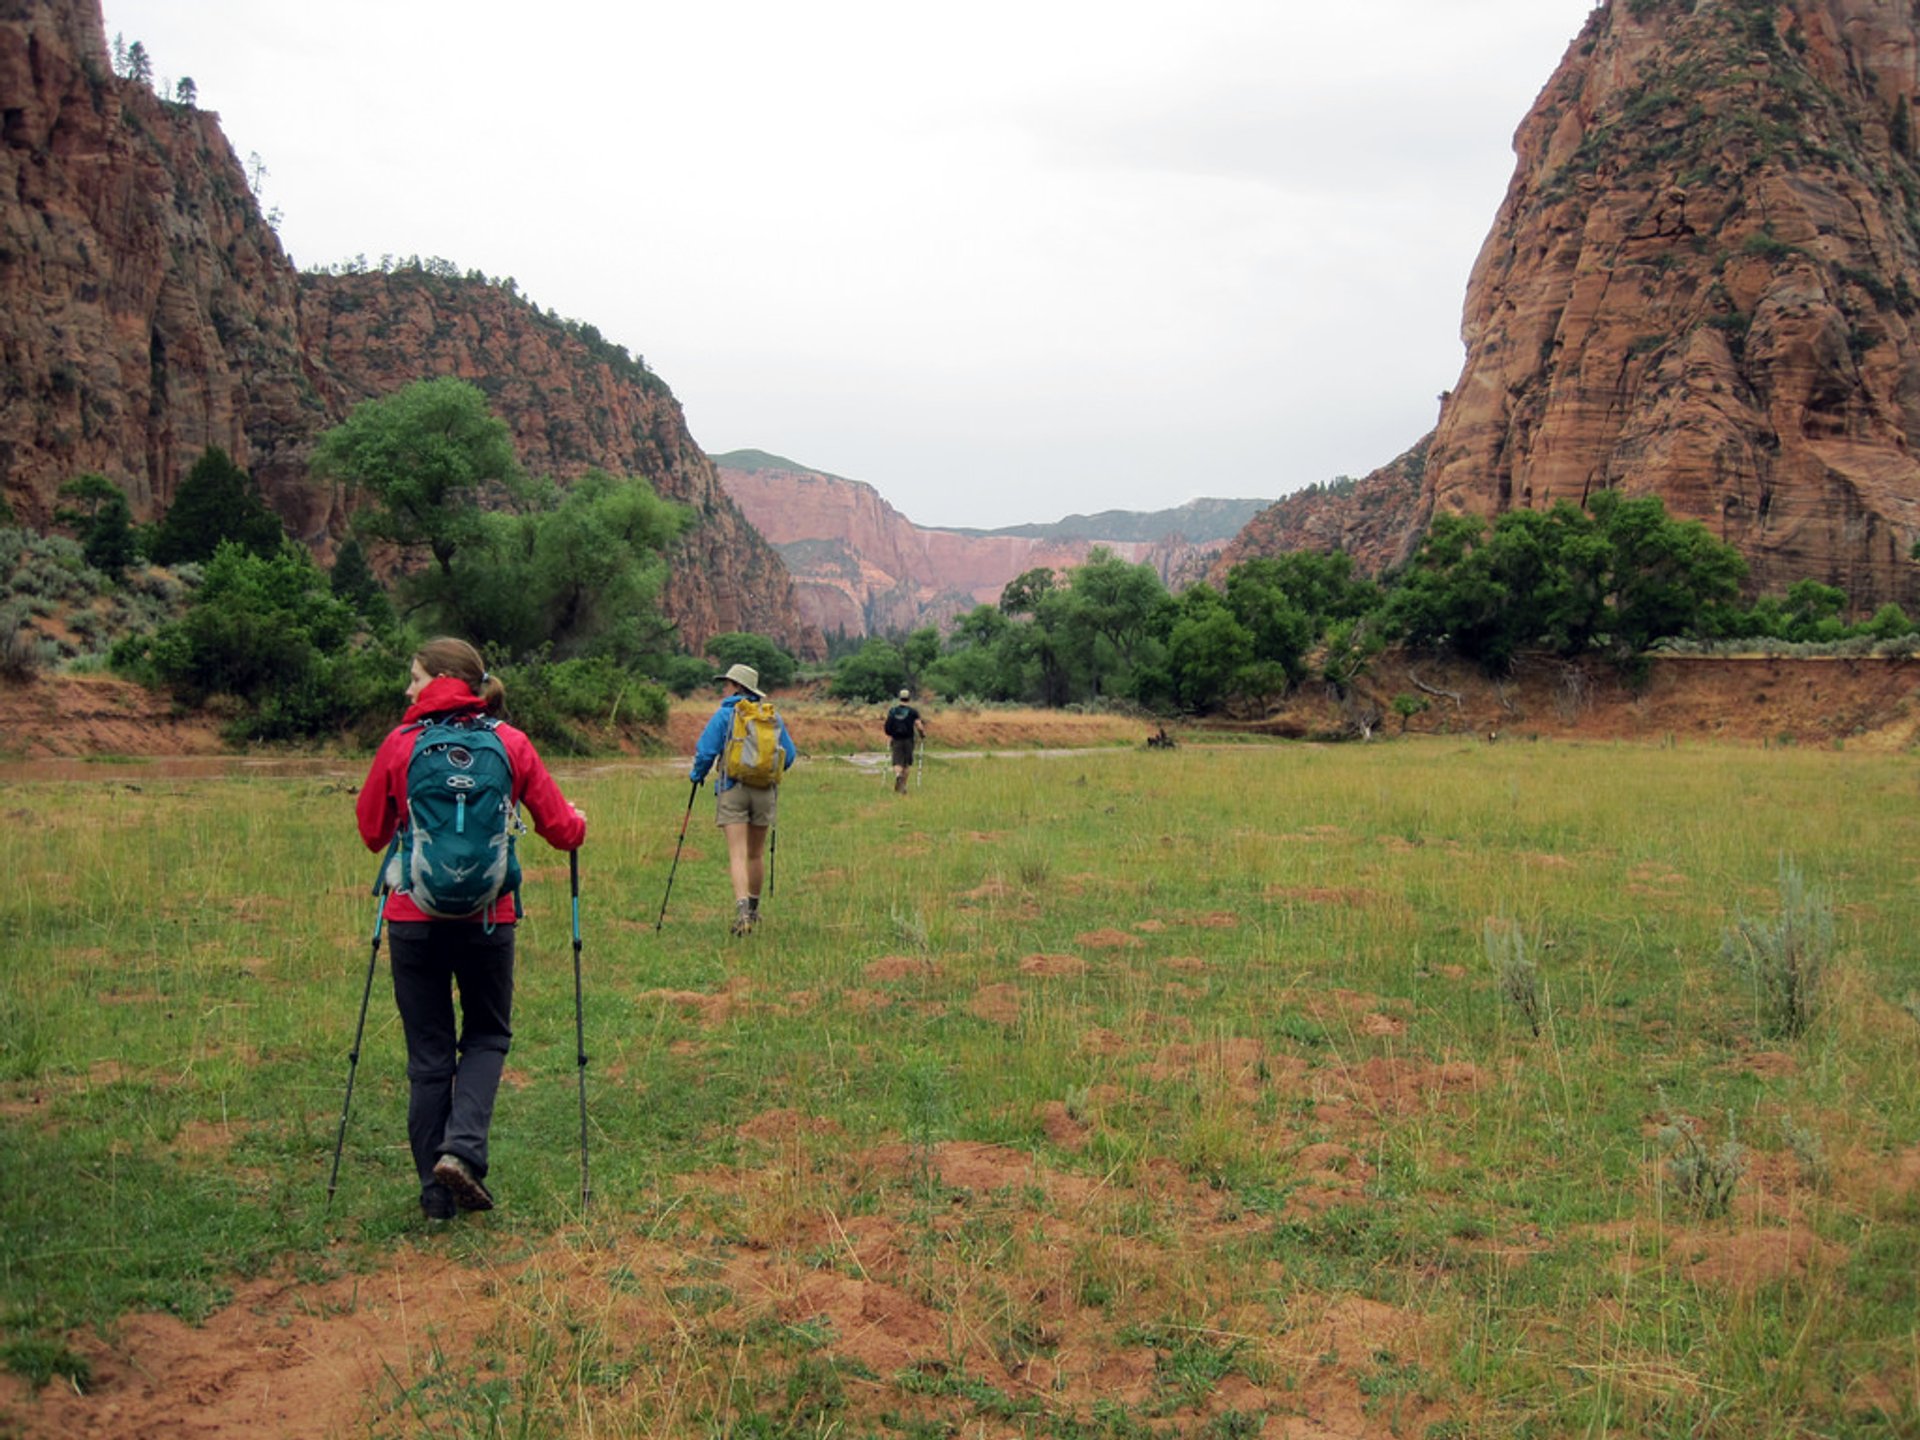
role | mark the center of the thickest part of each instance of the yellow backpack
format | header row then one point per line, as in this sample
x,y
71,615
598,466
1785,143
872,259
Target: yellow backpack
x,y
753,756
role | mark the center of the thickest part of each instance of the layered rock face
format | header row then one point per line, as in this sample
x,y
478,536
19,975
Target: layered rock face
x,y
860,567
1703,285
1372,519
149,312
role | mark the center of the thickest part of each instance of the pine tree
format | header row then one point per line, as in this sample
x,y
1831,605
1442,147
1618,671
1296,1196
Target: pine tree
x,y
109,546
353,581
217,501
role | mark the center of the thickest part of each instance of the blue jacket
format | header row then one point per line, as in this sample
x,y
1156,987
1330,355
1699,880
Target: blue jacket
x,y
713,740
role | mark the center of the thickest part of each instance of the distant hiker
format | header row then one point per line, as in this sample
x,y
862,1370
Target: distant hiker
x,y
749,740
449,780
904,727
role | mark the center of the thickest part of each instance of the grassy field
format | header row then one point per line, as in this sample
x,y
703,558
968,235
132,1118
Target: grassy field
x,y
1425,1088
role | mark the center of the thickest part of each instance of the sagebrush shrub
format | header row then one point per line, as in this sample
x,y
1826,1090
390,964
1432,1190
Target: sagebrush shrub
x,y
1703,1179
1784,959
1518,975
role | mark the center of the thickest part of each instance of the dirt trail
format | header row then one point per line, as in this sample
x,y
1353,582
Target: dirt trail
x,y
1869,701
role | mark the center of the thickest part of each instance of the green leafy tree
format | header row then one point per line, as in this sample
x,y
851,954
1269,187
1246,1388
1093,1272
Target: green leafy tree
x,y
428,459
1350,648
737,647
1022,594
578,573
215,503
1663,576
1889,622
1812,613
1279,626
982,660
1208,649
1618,577
1121,602
872,673
920,650
268,631
682,674
1058,650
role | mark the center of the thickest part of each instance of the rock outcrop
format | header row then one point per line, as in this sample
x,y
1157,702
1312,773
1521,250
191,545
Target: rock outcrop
x,y
149,311
1370,519
1703,284
860,567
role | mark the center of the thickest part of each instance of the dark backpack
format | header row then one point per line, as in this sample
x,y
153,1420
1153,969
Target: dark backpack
x,y
457,853
899,723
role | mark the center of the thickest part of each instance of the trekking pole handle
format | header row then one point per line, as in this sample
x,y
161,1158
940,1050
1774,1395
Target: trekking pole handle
x,y
380,886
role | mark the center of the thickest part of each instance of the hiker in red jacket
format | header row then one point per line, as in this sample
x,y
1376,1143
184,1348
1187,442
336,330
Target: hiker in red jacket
x,y
454,1076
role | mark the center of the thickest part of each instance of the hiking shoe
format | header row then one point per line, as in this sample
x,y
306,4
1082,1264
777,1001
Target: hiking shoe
x,y
436,1202
465,1187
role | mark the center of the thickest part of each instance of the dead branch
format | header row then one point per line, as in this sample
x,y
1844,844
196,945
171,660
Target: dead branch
x,y
1420,684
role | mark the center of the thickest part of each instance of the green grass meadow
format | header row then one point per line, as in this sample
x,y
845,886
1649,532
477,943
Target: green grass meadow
x,y
1407,1086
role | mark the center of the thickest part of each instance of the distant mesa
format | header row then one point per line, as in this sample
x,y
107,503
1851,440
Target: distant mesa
x,y
860,567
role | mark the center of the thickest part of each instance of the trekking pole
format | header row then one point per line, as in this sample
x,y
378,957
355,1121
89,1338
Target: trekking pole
x,y
691,796
920,763
359,1029
580,1026
773,854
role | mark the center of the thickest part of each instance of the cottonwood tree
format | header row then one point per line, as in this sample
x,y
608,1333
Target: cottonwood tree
x,y
737,647
571,574
426,460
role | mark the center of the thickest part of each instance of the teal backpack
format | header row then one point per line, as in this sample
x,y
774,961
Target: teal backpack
x,y
457,851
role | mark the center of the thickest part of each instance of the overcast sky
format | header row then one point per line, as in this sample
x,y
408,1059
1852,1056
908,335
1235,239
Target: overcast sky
x,y
1002,261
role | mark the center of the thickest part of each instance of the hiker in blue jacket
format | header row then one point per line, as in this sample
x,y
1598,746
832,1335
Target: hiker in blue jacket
x,y
745,812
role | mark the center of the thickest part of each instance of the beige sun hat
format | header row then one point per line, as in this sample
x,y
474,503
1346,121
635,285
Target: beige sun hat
x,y
906,694
744,675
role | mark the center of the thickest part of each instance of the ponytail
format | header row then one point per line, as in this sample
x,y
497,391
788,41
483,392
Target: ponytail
x,y
450,656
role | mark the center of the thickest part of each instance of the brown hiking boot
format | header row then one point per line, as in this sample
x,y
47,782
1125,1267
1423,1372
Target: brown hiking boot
x,y
468,1192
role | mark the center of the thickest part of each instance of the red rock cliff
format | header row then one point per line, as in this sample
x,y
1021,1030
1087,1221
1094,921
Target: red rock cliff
x,y
861,567
149,312
1703,285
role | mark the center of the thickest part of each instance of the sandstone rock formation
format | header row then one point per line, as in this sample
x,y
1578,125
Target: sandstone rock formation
x,y
149,311
860,567
1703,285
1370,519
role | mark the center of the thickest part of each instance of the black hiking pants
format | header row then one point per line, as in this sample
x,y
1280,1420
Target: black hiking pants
x,y
454,1075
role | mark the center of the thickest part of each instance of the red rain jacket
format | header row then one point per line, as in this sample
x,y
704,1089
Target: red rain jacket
x,y
382,806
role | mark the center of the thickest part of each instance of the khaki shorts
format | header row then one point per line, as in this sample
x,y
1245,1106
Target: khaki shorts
x,y
744,805
902,752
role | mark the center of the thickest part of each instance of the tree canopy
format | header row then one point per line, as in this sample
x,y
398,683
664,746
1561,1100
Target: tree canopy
x,y
429,458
